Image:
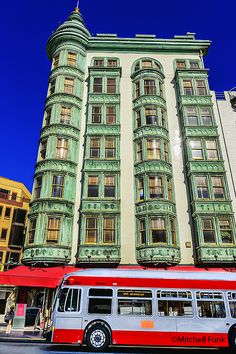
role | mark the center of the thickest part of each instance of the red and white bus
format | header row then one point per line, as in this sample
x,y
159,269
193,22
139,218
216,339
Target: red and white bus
x,y
102,307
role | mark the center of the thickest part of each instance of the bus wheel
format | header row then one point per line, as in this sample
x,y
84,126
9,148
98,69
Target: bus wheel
x,y
232,339
97,337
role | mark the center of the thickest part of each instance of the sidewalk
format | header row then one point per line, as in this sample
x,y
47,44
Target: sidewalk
x,y
28,334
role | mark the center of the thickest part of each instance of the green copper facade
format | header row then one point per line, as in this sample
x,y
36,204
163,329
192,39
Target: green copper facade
x,y
128,104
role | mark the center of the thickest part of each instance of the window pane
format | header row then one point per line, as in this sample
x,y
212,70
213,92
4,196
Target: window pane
x,y
96,114
91,230
109,229
153,149
175,308
109,186
53,230
156,187
94,147
211,309
100,306
97,85
208,231
188,89
158,230
71,59
110,150
68,85
111,114
149,87
133,307
111,85
65,115
225,230
202,187
142,230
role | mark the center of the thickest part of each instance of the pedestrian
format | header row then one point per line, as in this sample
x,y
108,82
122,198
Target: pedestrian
x,y
9,317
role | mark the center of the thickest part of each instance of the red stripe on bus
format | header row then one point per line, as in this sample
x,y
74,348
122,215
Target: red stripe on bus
x,y
67,335
152,283
174,339
149,338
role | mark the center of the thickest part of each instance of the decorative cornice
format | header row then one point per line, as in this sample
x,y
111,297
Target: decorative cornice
x,y
104,98
67,70
153,166
142,73
56,165
201,131
151,131
158,254
103,129
97,206
155,207
101,165
216,254
205,166
60,129
211,207
63,98
52,206
149,100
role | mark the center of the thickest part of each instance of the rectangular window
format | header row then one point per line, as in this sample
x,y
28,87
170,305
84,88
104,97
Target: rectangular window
x,y
111,63
166,152
32,228
108,229
225,230
137,89
146,64
95,148
149,87
73,300
43,149
96,114
208,231
0,209
56,61
53,230
57,186
169,187
13,196
65,115
151,115
109,187
110,148
180,64
194,64
62,148
71,59
218,187
139,151
158,230
211,309
111,85
68,85
97,85
134,307
188,87
93,186
163,118
202,187
38,186
211,150
100,306
52,87
140,189
111,114
155,186
138,118
4,193
91,233
191,115
153,149
196,148
142,231
98,62
7,213
175,308
173,231
4,234
201,87
206,115
48,114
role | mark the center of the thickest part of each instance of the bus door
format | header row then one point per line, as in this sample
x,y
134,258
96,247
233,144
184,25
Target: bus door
x,y
68,317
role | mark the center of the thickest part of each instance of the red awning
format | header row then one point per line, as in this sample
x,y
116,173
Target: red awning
x,y
35,277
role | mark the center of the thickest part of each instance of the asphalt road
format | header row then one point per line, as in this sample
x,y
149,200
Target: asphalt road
x,y
33,348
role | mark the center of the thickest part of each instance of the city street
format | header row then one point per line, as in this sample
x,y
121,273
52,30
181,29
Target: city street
x,y
33,348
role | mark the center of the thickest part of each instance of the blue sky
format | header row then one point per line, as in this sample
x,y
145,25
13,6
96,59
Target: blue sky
x,y
26,25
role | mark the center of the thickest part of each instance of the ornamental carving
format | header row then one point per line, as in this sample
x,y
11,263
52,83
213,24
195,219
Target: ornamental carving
x,y
153,166
101,206
196,100
101,165
93,129
206,166
104,98
149,100
64,98
147,131
216,254
51,253
201,131
54,165
158,254
212,207
67,70
60,129
52,206
103,253
156,206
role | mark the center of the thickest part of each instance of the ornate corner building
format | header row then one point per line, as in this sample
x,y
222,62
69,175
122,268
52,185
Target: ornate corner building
x,y
136,160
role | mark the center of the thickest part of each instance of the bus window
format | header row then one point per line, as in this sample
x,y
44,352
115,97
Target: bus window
x,y
211,309
232,303
73,300
62,299
134,307
173,308
99,302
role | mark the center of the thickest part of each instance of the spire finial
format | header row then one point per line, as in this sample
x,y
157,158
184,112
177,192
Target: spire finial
x,y
77,6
